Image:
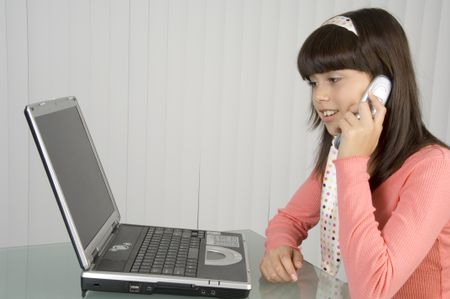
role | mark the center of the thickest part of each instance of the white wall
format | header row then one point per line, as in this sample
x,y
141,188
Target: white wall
x,y
195,106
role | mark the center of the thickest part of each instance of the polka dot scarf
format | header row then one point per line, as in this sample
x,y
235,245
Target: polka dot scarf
x,y
330,287
329,224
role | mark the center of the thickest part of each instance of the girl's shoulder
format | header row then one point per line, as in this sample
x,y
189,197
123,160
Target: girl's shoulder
x,y
429,153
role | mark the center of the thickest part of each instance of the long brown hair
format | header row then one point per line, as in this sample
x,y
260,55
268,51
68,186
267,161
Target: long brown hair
x,y
381,47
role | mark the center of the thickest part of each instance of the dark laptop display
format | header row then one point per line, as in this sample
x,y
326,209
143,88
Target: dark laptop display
x,y
122,257
75,165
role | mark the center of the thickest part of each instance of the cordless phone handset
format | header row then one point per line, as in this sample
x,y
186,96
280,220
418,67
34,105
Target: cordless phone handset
x,y
381,88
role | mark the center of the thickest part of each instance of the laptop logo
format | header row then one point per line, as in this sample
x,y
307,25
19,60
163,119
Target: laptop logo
x,y
121,247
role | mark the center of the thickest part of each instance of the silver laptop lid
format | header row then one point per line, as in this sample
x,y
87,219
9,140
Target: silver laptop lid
x,y
75,173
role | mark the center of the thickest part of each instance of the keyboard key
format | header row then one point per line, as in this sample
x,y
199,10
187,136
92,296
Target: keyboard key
x,y
156,270
144,270
190,273
178,271
193,253
167,270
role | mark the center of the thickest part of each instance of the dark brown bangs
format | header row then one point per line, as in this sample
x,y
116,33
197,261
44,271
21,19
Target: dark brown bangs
x,y
330,48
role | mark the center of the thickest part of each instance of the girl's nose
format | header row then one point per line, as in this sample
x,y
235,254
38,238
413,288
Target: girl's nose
x,y
321,97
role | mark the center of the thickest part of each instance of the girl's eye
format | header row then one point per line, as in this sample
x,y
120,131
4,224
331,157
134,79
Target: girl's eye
x,y
334,79
312,83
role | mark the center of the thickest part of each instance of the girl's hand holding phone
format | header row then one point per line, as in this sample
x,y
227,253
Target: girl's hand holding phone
x,y
359,136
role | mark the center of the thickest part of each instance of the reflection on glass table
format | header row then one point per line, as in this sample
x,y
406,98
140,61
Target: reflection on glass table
x,y
52,272
312,283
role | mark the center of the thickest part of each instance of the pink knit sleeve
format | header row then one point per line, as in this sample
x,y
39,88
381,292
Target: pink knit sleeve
x,y
377,262
290,226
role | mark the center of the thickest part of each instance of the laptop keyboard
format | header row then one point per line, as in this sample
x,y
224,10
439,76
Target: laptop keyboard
x,y
169,251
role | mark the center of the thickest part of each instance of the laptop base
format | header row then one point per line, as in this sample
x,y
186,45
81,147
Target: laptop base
x,y
93,284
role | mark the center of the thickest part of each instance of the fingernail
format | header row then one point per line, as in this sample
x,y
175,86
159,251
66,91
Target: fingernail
x,y
294,277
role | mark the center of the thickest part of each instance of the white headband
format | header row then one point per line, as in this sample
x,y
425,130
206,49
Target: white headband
x,y
342,21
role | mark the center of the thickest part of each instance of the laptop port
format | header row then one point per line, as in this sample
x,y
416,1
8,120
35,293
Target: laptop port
x,y
135,288
149,289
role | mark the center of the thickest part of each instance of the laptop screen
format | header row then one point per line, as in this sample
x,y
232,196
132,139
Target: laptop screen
x,y
77,170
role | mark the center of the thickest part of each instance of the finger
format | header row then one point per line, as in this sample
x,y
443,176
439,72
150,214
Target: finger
x,y
372,97
271,276
269,273
286,260
297,259
354,108
351,118
364,112
282,272
344,125
379,107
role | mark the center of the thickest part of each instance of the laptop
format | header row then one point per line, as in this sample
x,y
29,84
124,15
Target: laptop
x,y
129,258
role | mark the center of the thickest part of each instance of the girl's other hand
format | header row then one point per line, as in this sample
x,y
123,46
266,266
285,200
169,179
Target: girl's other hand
x,y
281,264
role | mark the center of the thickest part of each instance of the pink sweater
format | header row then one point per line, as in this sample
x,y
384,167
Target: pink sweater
x,y
395,241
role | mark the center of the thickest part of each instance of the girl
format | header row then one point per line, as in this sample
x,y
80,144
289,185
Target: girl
x,y
383,197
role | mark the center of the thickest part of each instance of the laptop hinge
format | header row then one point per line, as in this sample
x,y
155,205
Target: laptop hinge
x,y
95,254
115,225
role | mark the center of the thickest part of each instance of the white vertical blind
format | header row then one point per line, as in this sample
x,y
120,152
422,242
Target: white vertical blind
x,y
440,105
4,134
137,104
47,44
16,150
156,110
195,106
210,112
118,84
